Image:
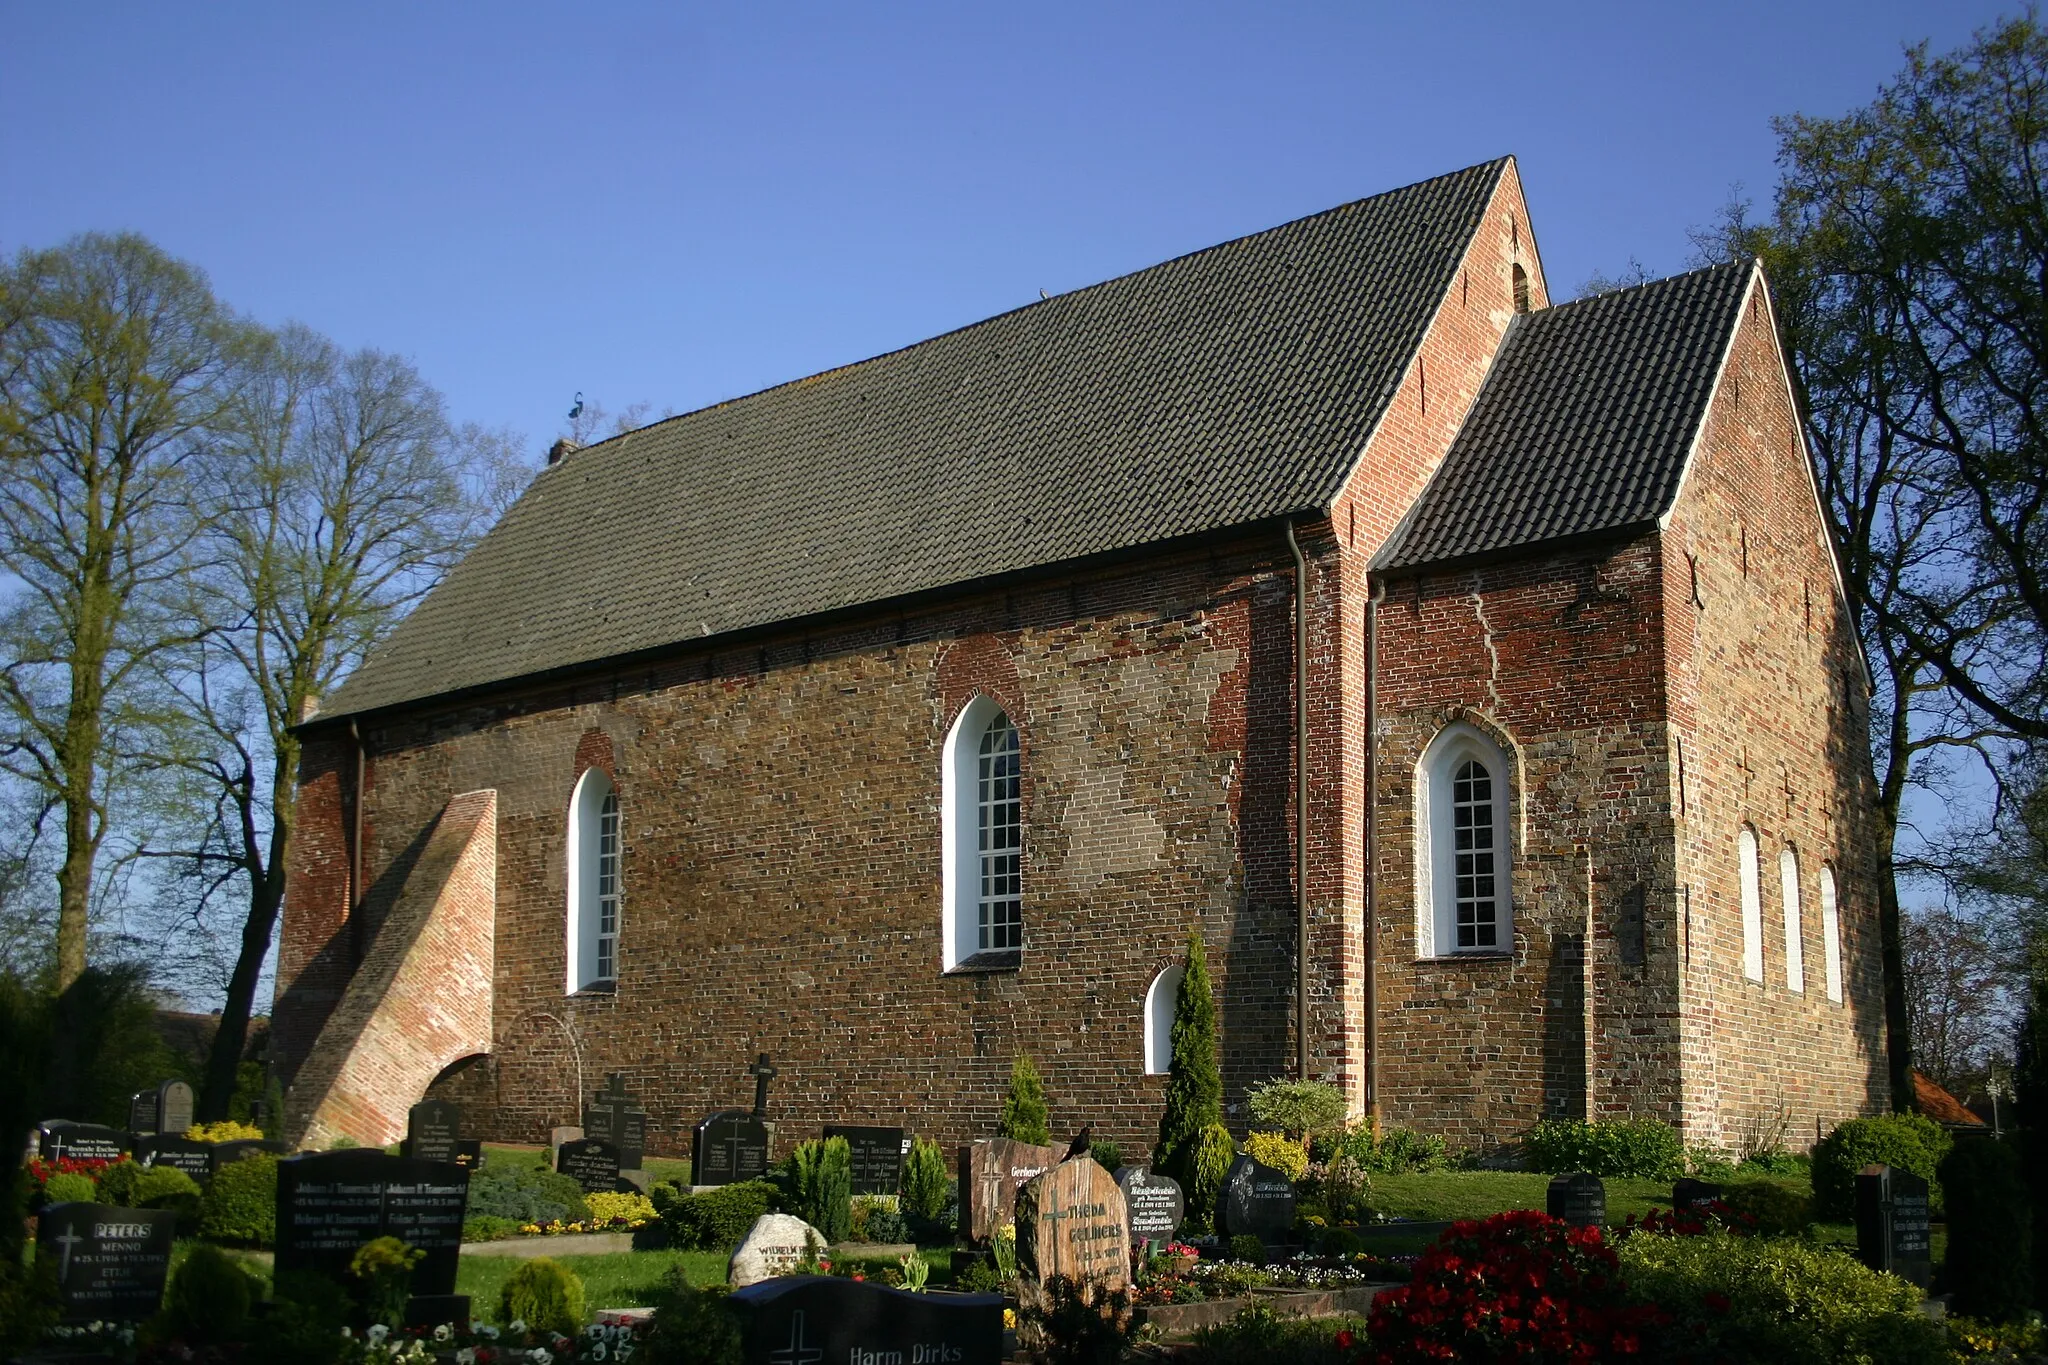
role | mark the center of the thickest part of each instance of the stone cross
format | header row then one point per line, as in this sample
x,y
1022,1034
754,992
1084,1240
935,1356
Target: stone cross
x,y
762,1074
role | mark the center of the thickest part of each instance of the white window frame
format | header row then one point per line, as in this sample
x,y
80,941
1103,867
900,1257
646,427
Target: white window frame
x,y
595,885
1436,900
1160,1000
960,852
1749,878
1795,925
1831,933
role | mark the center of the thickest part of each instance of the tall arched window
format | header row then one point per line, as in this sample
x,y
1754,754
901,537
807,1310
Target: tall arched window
x,y
1795,929
1752,904
1462,797
1159,1004
1831,933
983,838
594,888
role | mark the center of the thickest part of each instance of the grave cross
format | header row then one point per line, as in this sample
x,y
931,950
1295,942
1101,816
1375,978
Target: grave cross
x,y
762,1074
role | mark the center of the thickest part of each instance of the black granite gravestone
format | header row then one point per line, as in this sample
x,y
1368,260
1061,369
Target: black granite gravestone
x,y
877,1156
433,1128
1155,1202
111,1262
1692,1194
330,1203
730,1147
592,1163
1893,1223
58,1138
1580,1199
180,1154
826,1320
618,1118
174,1105
1257,1200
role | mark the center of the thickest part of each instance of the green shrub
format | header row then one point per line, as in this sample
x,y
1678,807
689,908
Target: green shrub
x,y
240,1204
1108,1153
817,1183
926,1186
1778,1211
1908,1142
1024,1117
69,1187
1194,1083
1755,1299
526,1194
1259,1336
208,1297
1303,1108
690,1326
1212,1159
488,1229
716,1220
545,1295
1647,1149
1990,1234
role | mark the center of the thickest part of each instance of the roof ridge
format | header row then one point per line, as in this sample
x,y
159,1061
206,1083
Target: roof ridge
x,y
1493,165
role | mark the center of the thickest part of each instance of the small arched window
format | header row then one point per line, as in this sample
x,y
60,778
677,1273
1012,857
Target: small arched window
x,y
1521,281
1751,879
1831,933
594,884
983,837
1795,947
1159,1006
1462,862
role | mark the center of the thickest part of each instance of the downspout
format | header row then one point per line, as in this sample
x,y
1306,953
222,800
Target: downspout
x,y
1372,789
1300,803
355,858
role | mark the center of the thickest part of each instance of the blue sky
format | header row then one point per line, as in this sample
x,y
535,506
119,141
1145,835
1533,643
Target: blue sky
x,y
680,203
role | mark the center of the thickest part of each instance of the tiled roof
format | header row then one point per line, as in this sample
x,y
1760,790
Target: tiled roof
x,y
1222,388
1583,424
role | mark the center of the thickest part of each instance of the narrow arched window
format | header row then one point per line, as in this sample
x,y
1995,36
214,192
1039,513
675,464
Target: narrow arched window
x,y
1751,879
1462,823
984,838
1521,281
1795,947
1159,1007
594,883
1831,933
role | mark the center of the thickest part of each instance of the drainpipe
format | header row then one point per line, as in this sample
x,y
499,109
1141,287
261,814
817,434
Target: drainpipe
x,y
1372,791
355,860
1300,803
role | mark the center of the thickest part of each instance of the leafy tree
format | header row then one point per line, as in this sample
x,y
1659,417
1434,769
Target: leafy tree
x,y
1024,1116
1194,1081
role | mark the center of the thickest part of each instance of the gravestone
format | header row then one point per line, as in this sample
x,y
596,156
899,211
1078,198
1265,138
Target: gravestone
x,y
775,1245
592,1163
1153,1202
618,1118
1257,1200
1580,1199
826,1320
877,1156
1693,1194
111,1262
330,1203
58,1138
1071,1222
1892,1223
728,1147
992,1170
433,1131
180,1154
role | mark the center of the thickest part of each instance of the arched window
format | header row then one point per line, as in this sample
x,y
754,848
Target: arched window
x,y
1159,1003
1521,281
1831,933
984,837
1752,904
1462,798
1795,947
593,868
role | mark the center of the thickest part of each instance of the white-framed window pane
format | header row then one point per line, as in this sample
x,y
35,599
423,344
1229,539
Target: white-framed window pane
x,y
1000,830
1795,947
1831,934
1474,866
1752,905
608,888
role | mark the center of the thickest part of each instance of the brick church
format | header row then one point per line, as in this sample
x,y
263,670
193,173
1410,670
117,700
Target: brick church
x,y
1473,672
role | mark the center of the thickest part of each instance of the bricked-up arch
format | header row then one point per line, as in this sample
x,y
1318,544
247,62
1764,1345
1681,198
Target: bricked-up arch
x,y
1159,1003
982,814
595,894
1466,795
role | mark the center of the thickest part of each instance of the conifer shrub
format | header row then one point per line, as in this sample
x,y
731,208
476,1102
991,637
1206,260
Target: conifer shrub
x,y
926,1187
1025,1117
545,1295
1194,1082
1990,1234
240,1204
1906,1142
208,1298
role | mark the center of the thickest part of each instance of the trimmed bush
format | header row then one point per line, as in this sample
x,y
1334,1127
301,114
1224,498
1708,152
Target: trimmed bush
x,y
1025,1115
1646,1149
1907,1142
1303,1108
818,1186
527,1194
716,1220
208,1297
926,1187
1279,1151
69,1187
1743,1299
545,1295
1990,1231
240,1204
